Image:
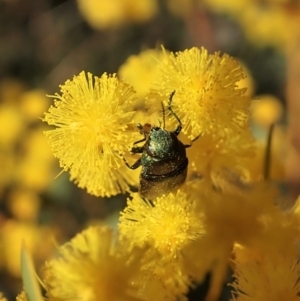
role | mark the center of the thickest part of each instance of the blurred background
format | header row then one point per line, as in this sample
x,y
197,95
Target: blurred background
x,y
45,42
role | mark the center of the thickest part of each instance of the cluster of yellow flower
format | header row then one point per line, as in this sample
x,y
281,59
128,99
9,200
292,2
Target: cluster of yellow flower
x,y
96,119
166,245
27,169
113,13
269,22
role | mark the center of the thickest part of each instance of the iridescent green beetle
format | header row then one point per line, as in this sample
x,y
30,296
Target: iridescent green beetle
x,y
164,161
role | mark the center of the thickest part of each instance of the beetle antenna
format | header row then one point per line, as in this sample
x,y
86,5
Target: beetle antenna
x,y
179,127
268,153
140,127
163,115
142,131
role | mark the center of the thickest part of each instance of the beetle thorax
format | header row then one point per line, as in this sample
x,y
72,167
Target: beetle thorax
x,y
161,144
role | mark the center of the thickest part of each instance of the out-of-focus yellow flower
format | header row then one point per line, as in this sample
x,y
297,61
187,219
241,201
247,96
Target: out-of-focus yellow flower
x,y
140,11
22,297
94,128
101,14
250,218
33,104
89,268
139,70
2,298
24,205
281,232
34,173
11,125
256,165
296,208
231,218
12,234
111,13
222,157
272,22
266,276
213,253
266,109
234,217
207,98
36,168
295,213
35,144
150,287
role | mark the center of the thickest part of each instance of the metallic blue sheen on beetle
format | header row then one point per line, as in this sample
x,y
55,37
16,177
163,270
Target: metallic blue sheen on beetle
x,y
164,161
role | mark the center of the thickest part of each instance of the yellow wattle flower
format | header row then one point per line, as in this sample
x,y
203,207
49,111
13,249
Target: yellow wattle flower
x,y
93,120
169,224
165,228
223,157
269,22
112,13
33,103
207,98
36,169
235,215
21,297
263,276
265,110
139,70
89,269
2,298
12,119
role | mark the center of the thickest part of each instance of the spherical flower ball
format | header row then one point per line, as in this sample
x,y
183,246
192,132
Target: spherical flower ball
x,y
139,70
93,129
102,14
90,268
207,97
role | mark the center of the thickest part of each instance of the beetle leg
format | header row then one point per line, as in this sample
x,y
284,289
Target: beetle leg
x,y
137,164
164,115
142,140
196,138
189,145
137,150
179,127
